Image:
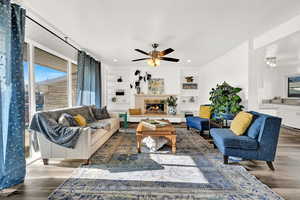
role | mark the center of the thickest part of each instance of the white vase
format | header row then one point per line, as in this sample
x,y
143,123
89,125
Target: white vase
x,y
171,110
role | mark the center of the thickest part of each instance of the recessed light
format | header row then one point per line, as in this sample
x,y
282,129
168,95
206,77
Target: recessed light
x,y
189,61
115,60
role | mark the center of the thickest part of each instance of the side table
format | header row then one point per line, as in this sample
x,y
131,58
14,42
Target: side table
x,y
125,121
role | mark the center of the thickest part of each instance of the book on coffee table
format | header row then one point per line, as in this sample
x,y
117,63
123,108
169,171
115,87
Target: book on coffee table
x,y
154,123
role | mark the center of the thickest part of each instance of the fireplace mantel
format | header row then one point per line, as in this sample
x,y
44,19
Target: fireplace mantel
x,y
154,95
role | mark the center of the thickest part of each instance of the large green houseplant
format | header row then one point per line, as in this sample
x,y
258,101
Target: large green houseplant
x,y
225,101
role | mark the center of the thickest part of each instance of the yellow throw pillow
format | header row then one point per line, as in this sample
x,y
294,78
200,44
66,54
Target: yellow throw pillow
x,y
80,120
241,122
205,112
135,111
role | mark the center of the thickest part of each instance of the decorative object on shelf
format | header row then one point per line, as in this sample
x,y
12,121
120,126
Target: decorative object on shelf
x,y
189,79
114,99
156,56
120,80
138,90
156,86
120,92
172,104
190,86
139,79
225,101
192,100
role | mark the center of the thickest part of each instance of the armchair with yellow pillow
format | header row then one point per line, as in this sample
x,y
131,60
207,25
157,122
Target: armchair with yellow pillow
x,y
251,136
201,122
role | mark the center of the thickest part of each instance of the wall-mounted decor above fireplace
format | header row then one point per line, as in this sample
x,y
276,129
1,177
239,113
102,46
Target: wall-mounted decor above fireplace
x,y
190,86
156,86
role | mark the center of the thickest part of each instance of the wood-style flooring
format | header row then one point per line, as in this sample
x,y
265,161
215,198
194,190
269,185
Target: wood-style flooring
x,y
285,180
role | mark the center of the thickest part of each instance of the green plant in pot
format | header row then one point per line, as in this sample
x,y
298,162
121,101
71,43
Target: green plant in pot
x,y
225,101
172,104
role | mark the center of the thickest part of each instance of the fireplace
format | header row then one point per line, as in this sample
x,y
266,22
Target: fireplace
x,y
154,106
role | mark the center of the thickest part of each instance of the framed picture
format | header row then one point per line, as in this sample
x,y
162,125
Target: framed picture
x,y
294,86
190,86
156,86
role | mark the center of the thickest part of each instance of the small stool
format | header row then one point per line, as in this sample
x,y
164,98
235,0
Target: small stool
x,y
125,122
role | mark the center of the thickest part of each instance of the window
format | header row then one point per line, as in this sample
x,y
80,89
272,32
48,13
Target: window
x,y
50,81
27,105
74,84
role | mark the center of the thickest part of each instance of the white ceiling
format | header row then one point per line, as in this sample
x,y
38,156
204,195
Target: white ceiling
x,y
199,30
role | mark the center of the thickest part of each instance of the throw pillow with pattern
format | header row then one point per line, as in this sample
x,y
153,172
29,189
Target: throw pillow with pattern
x,y
67,120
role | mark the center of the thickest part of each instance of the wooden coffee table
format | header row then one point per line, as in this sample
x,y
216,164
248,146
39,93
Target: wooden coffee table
x,y
168,132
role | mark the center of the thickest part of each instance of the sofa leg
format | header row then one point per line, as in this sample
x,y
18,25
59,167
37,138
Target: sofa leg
x,y
270,165
188,128
87,162
45,161
225,158
215,146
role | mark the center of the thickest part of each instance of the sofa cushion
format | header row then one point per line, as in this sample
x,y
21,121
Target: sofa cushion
x,y
84,111
241,122
254,129
100,113
227,139
197,123
114,122
97,135
101,124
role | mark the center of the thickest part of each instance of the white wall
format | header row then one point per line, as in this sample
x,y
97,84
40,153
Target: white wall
x,y
266,82
231,67
170,74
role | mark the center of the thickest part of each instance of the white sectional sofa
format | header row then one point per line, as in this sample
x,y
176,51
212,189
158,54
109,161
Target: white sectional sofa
x,y
89,141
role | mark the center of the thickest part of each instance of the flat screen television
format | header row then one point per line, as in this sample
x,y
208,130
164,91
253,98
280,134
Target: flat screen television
x,y
294,86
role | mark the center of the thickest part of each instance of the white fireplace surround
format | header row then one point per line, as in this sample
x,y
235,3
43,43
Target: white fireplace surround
x,y
140,100
139,103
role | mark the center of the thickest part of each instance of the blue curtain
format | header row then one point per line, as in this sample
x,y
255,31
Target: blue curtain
x,y
88,80
12,101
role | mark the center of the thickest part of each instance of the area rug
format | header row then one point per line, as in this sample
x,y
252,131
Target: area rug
x,y
196,171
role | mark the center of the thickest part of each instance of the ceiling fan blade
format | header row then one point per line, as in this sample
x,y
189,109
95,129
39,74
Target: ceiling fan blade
x,y
140,59
169,59
141,51
167,51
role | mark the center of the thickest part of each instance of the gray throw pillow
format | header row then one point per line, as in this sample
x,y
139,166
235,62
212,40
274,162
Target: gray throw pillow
x,y
100,113
67,120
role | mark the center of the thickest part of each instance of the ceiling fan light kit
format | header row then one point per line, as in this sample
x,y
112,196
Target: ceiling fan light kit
x,y
156,56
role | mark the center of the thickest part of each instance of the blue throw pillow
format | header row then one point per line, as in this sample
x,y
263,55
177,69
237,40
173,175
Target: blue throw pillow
x,y
254,129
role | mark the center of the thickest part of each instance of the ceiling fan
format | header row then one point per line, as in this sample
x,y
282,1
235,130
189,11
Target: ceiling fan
x,y
156,56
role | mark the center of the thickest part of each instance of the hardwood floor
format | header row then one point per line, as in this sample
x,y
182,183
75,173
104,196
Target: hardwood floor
x,y
285,180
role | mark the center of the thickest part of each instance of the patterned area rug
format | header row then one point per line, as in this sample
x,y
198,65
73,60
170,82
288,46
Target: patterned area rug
x,y
194,172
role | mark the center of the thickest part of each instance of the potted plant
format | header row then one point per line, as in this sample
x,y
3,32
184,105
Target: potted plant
x,y
225,101
172,104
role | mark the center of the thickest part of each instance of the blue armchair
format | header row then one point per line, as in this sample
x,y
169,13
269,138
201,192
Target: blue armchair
x,y
258,143
200,123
